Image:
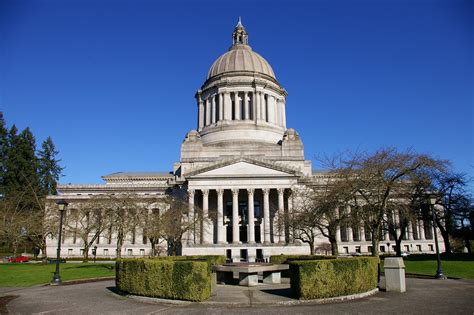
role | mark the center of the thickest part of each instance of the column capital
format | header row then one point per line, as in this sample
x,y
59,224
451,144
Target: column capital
x,y
191,192
205,192
220,192
250,191
281,191
266,191
235,192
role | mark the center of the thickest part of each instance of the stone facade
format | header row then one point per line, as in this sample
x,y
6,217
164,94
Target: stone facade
x,y
242,164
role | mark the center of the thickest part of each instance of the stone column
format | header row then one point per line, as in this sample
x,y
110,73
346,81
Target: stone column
x,y
271,109
266,214
256,105
251,218
235,217
362,233
350,236
208,112
201,114
220,216
191,214
291,215
263,107
281,214
221,108
205,217
227,106
283,113
237,106
246,115
213,109
277,111
422,230
410,230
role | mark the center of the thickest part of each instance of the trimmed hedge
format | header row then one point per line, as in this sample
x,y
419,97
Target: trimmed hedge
x,y
285,259
178,277
316,279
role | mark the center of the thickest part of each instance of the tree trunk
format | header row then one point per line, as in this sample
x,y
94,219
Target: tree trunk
x,y
334,249
375,246
445,234
398,247
311,247
43,248
118,248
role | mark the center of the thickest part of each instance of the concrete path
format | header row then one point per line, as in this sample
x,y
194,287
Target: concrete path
x,y
422,297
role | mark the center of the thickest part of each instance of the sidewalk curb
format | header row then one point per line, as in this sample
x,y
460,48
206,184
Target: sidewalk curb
x,y
295,302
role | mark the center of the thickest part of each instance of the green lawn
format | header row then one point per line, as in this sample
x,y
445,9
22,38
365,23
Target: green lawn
x,y
25,275
456,267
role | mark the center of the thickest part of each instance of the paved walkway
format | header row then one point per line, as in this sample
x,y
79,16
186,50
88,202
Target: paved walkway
x,y
422,297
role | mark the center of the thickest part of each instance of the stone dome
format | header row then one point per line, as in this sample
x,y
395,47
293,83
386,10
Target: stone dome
x,y
240,57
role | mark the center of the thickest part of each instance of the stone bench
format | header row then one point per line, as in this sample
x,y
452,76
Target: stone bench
x,y
247,274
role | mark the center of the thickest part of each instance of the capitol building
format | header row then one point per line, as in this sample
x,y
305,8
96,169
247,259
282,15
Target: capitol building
x,y
242,164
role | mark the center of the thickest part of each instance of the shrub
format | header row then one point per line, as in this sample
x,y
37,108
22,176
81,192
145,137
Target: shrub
x,y
171,277
164,278
285,259
315,279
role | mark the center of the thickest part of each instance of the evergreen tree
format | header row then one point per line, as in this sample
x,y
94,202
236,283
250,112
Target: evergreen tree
x,y
49,168
21,163
3,153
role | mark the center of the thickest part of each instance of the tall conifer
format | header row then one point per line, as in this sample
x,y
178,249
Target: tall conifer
x,y
49,168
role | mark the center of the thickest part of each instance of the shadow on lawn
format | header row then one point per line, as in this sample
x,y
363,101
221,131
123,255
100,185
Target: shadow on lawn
x,y
87,266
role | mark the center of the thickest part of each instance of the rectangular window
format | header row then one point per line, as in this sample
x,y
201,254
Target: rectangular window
x,y
358,249
382,248
346,249
430,246
418,248
407,248
106,252
129,252
81,252
69,252
142,252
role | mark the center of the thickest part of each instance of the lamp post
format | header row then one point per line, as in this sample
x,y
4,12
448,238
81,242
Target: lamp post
x,y
439,271
62,204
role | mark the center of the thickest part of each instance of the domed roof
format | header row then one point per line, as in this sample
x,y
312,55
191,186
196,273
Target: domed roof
x,y
240,57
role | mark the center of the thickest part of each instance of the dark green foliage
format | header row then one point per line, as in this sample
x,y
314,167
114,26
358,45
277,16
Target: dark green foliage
x,y
3,153
285,259
211,260
49,169
316,279
165,277
21,163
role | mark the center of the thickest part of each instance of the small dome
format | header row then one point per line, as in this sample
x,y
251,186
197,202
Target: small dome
x,y
240,58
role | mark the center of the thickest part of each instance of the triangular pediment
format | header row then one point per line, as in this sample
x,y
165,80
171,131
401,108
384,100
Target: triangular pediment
x,y
243,168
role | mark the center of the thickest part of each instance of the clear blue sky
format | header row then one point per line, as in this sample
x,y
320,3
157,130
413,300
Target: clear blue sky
x,y
113,82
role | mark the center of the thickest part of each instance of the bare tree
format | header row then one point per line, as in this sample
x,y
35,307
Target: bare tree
x,y
450,189
14,220
88,221
376,181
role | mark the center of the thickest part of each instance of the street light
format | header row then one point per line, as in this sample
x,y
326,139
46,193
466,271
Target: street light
x,y
62,204
439,271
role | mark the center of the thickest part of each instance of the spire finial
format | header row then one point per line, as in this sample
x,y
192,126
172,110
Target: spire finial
x,y
240,36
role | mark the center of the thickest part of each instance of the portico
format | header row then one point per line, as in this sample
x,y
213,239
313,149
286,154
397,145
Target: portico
x,y
238,208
